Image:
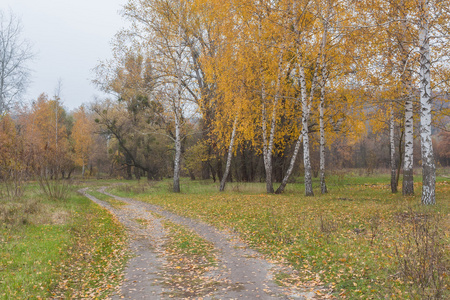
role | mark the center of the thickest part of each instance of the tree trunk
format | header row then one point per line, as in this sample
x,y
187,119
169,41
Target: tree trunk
x,y
406,81
323,185
213,172
291,166
305,117
177,113
268,144
137,173
176,168
267,153
129,174
392,147
428,166
400,156
230,153
408,177
70,173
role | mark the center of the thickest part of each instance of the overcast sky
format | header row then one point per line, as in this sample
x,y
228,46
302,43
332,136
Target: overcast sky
x,y
69,38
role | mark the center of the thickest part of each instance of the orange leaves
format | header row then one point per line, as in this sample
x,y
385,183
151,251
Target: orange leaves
x,y
82,136
8,141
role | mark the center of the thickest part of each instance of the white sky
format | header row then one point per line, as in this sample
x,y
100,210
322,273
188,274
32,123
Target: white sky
x,y
70,37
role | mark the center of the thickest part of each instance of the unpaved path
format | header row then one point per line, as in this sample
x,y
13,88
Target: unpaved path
x,y
242,273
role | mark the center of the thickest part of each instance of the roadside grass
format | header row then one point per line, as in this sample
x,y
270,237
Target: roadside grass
x,y
112,201
58,249
189,258
359,239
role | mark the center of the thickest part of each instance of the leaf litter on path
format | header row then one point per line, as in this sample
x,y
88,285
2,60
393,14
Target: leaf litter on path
x,y
238,272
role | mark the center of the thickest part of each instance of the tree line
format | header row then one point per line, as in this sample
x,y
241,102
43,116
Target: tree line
x,y
237,90
276,74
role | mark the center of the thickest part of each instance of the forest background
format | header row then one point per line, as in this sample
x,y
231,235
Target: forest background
x,y
271,92
236,91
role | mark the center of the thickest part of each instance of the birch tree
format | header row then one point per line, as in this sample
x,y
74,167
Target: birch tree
x,y
229,155
428,165
392,150
434,75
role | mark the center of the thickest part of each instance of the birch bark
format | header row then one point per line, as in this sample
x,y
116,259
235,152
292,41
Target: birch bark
x,y
291,165
323,185
392,147
230,153
408,177
176,168
428,165
305,118
406,77
268,142
177,112
267,154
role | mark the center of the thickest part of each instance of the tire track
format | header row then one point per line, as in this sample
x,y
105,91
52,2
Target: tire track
x,y
242,272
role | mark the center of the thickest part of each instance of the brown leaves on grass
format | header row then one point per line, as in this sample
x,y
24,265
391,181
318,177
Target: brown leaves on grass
x,y
351,248
96,258
189,259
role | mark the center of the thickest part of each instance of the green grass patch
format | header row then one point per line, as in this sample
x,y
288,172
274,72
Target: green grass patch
x,y
189,257
187,243
112,201
354,239
143,222
50,249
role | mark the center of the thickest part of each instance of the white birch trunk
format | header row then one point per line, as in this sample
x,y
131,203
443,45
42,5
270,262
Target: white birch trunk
x,y
428,166
305,117
230,153
176,167
300,137
406,77
291,165
392,147
323,185
408,177
267,155
268,143
177,112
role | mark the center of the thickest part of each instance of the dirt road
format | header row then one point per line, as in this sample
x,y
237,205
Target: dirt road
x,y
240,273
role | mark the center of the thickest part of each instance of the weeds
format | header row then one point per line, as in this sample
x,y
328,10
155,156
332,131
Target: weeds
x,y
374,225
13,185
327,225
21,212
139,188
420,253
56,189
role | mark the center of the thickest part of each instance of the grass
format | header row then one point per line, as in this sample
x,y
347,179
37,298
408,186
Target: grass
x,y
58,249
188,259
112,201
353,239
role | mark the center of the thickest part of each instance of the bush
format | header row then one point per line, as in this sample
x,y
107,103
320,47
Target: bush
x,y
420,252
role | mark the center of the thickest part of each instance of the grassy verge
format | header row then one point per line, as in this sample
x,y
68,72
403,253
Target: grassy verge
x,y
359,239
67,249
112,201
188,259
